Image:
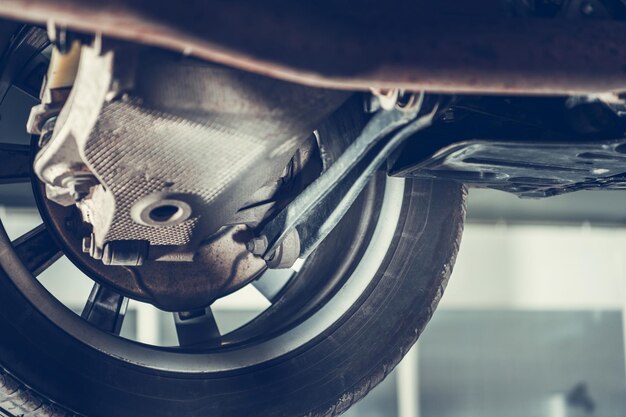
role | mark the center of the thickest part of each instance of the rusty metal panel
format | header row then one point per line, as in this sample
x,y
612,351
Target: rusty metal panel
x,y
438,46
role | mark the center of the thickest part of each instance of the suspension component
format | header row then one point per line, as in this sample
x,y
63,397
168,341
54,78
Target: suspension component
x,y
320,207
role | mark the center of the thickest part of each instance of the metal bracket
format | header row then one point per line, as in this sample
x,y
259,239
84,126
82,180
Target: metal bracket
x,y
318,209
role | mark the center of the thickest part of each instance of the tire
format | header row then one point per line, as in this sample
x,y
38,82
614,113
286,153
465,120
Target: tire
x,y
45,366
47,370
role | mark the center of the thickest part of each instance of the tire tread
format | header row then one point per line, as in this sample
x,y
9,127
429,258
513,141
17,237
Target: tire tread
x,y
17,400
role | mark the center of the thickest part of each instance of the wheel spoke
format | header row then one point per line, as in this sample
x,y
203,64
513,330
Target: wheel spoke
x,y
105,309
37,250
272,282
14,163
197,328
26,45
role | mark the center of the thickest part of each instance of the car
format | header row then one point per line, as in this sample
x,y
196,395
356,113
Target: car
x,y
320,152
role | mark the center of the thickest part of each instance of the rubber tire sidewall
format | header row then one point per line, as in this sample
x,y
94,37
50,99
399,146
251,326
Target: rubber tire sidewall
x,y
322,379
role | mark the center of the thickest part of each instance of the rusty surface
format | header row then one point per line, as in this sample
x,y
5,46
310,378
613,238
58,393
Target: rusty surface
x,y
247,126
220,267
458,47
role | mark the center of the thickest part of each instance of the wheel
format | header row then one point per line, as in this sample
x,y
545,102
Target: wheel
x,y
336,326
383,314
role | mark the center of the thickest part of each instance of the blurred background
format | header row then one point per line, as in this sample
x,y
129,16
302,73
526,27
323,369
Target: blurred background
x,y
532,322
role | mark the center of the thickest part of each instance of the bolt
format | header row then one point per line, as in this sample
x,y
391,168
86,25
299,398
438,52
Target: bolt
x,y
287,253
449,115
78,195
95,251
87,242
89,246
44,139
79,185
257,245
46,132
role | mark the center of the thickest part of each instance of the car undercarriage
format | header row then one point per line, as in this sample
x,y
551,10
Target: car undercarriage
x,y
181,151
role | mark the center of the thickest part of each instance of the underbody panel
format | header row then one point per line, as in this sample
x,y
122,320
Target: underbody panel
x,y
490,46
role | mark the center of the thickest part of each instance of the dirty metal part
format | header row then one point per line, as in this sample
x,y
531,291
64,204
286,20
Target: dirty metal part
x,y
321,222
530,147
63,68
221,265
79,185
257,245
318,275
304,167
41,114
319,208
287,252
118,150
87,243
389,99
224,265
444,46
63,39
125,252
88,246
531,168
46,131
58,82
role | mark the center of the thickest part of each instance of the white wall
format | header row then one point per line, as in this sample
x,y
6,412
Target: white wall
x,y
539,267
